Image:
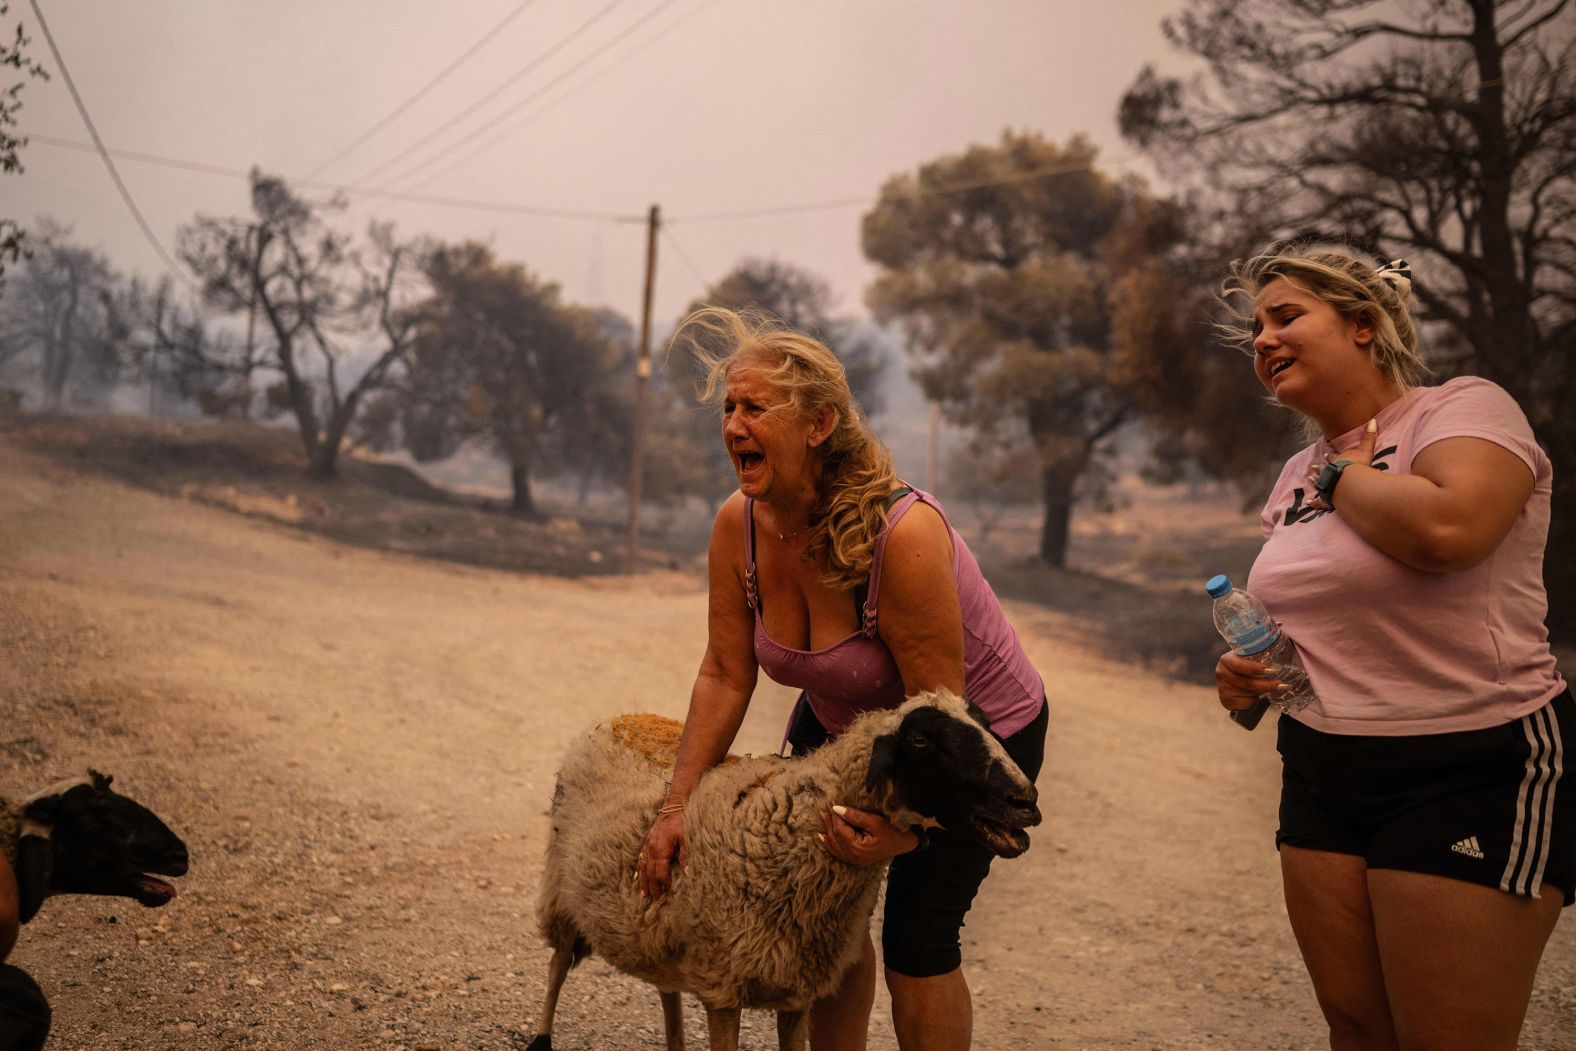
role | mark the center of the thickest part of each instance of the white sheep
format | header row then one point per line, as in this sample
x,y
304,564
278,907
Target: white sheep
x,y
761,915
79,837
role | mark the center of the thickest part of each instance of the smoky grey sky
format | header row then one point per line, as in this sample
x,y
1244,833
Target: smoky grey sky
x,y
701,106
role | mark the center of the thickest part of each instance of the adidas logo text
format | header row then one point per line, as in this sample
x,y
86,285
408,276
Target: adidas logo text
x,y
1469,847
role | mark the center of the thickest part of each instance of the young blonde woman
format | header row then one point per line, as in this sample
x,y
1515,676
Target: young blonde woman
x,y
1427,822
834,577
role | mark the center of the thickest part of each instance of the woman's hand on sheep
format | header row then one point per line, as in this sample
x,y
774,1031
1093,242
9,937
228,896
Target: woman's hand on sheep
x,y
1240,680
664,844
859,837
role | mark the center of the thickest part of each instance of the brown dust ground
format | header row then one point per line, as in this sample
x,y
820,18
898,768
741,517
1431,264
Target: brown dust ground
x,y
358,745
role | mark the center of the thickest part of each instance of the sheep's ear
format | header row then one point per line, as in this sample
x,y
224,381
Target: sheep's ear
x,y
35,864
883,761
100,781
38,815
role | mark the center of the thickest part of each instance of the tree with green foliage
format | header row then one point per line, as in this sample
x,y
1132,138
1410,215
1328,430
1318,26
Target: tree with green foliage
x,y
500,357
998,263
338,318
1441,131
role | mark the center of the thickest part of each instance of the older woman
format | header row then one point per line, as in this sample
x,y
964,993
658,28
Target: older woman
x,y
833,576
1427,833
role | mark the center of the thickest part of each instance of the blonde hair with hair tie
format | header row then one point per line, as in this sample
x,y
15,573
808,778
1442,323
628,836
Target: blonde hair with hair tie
x,y
1356,290
855,474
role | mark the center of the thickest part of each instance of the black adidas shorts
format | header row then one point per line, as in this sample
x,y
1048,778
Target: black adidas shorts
x,y
1495,806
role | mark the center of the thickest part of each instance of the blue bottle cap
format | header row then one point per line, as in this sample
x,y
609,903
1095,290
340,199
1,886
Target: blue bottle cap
x,y
1217,585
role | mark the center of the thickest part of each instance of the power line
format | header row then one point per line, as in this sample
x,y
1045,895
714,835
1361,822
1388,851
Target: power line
x,y
1031,175
787,209
489,96
318,184
98,143
648,16
684,258
587,82
402,107
507,207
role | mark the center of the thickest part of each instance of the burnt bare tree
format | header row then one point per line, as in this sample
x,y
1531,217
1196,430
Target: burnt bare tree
x,y
64,313
1443,131
185,356
339,317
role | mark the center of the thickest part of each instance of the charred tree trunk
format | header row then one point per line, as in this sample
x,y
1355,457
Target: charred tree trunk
x,y
59,350
520,502
1056,488
323,460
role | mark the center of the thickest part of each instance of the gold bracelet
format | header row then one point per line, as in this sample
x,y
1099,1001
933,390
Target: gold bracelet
x,y
670,808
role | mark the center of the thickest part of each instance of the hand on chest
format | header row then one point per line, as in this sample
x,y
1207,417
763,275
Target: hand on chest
x,y
1299,504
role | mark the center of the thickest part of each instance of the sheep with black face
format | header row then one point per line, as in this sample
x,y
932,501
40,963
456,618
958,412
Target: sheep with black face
x,y
75,837
81,837
761,915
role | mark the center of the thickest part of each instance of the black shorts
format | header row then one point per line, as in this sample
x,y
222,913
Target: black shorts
x,y
24,1013
928,891
1495,807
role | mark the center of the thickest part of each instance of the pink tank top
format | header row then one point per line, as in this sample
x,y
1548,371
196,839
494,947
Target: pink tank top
x,y
859,673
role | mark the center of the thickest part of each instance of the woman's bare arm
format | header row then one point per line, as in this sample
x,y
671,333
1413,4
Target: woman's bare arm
x,y
1450,513
719,699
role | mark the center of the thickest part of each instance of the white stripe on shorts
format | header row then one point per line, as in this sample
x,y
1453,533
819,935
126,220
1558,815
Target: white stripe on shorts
x,y
1535,804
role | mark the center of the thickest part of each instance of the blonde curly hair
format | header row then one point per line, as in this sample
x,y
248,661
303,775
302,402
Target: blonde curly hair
x,y
855,469
1337,276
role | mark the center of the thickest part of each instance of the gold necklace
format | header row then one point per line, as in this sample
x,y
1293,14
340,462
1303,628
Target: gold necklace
x,y
785,537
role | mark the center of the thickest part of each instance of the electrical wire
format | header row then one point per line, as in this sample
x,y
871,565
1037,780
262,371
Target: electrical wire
x,y
684,258
936,191
369,175
560,213
664,5
98,143
421,91
587,82
446,202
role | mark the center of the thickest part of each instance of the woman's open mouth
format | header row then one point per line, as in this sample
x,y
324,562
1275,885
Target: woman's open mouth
x,y
748,461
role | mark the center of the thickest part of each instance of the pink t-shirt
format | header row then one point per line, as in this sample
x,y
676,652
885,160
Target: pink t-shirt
x,y
1393,650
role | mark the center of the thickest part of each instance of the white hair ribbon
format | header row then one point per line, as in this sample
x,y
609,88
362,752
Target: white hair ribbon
x,y
1398,275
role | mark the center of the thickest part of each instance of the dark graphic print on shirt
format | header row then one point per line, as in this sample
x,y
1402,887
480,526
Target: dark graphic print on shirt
x,y
1297,513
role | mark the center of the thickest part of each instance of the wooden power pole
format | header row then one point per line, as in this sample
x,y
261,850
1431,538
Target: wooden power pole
x,y
933,450
642,376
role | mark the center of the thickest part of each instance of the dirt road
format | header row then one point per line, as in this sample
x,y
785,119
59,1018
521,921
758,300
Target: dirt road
x,y
359,749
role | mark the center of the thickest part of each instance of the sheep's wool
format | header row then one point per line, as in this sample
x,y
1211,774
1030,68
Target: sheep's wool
x,y
761,916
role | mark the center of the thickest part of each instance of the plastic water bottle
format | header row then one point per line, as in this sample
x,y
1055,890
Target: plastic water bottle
x,y
1249,629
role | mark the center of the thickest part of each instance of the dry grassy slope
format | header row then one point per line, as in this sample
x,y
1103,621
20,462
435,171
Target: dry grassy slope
x,y
359,746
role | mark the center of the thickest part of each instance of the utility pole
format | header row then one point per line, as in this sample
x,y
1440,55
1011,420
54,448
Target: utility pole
x,y
933,450
251,326
642,375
